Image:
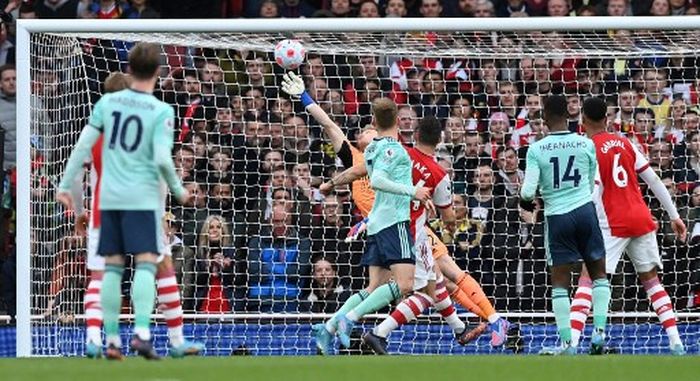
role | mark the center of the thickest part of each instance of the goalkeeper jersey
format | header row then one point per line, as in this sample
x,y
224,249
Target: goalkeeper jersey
x,y
564,166
385,157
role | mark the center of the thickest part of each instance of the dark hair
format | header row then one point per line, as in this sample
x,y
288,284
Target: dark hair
x,y
5,68
595,109
144,60
432,72
504,149
429,131
555,108
644,110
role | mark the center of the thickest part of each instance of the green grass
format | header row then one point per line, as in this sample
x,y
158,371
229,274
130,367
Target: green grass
x,y
365,368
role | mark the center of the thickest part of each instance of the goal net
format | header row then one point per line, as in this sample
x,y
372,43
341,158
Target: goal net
x,y
261,255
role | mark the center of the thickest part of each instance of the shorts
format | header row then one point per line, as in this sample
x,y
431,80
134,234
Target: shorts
x,y
130,232
96,262
425,263
643,251
573,236
389,246
438,247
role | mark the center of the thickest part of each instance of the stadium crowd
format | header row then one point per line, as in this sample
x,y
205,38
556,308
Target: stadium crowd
x,y
259,236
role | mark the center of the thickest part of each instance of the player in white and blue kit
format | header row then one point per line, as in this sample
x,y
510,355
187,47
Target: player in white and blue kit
x,y
563,165
137,144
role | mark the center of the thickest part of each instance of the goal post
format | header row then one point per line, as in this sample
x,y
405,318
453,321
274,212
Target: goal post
x,y
583,36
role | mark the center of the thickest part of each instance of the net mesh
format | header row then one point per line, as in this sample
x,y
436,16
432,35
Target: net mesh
x,y
244,147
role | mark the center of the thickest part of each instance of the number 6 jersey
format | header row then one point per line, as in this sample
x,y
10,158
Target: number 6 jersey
x,y
618,199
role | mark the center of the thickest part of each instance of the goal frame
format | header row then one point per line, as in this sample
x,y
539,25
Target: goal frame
x,y
26,27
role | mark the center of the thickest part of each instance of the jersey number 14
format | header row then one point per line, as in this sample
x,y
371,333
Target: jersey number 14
x,y
571,174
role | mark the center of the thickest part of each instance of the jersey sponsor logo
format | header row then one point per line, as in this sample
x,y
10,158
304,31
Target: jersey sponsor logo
x,y
169,124
389,152
610,144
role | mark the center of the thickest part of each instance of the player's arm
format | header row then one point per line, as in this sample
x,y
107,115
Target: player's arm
x,y
76,192
162,154
82,149
384,163
593,167
349,175
532,179
442,198
293,85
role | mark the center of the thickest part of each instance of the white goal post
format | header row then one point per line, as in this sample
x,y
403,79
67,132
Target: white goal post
x,y
114,28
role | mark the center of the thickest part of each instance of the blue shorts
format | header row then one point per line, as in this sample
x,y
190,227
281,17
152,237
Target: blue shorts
x,y
574,236
129,231
390,246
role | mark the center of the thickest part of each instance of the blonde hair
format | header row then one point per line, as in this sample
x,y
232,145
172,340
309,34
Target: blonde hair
x,y
203,241
385,112
116,81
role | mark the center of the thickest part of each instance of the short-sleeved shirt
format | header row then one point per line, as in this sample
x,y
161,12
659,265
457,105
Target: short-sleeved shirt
x,y
133,123
387,155
427,173
619,201
564,166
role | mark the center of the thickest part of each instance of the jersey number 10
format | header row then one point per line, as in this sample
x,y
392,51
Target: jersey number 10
x,y
574,177
119,130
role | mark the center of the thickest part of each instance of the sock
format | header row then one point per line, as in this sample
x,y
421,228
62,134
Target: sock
x,y
379,298
561,307
143,293
111,300
470,287
352,302
93,309
408,310
443,304
170,305
601,302
580,308
663,308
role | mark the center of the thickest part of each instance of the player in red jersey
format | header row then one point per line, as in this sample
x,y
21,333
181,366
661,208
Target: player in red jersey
x,y
626,221
167,288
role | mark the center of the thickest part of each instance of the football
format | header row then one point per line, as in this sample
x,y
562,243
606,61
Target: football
x,y
289,54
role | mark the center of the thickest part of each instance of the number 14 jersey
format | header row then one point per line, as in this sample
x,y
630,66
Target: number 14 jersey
x,y
618,199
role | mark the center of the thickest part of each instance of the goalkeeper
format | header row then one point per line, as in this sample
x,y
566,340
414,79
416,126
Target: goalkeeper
x,y
138,130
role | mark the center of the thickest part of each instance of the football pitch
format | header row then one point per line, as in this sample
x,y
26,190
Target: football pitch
x,y
360,368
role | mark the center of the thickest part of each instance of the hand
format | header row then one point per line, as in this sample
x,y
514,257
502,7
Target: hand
x,y
65,199
292,84
326,188
430,208
527,205
187,198
679,228
527,216
423,194
81,223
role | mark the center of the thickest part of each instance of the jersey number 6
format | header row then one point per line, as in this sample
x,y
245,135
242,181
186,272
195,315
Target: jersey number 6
x,y
119,131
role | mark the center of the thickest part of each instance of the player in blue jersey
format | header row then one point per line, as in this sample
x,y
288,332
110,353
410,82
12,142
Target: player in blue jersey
x,y
137,144
563,166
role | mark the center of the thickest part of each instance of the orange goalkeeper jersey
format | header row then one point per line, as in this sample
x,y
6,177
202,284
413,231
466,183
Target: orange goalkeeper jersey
x,y
362,193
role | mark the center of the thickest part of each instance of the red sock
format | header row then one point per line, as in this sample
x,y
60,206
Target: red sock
x,y
443,304
406,311
93,308
169,301
663,308
580,308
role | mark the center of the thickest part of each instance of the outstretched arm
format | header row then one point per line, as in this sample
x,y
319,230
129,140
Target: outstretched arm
x,y
293,85
349,175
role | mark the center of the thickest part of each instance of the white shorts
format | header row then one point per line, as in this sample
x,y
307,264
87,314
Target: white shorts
x,y
95,262
643,251
425,263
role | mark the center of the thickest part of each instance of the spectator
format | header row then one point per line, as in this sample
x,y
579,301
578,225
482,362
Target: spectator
x,y
627,102
660,8
465,167
482,203
644,128
678,7
430,8
328,240
689,163
673,130
510,7
558,8
8,113
183,260
573,107
60,9
140,9
586,11
368,9
395,8
278,265
269,9
212,78
221,199
617,8
216,268
296,8
219,166
192,214
7,47
296,140
340,8
326,294
185,160
483,8
499,133
655,99
508,172
661,157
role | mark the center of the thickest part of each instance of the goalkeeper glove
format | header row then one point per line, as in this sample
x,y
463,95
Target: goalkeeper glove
x,y
357,230
527,205
293,85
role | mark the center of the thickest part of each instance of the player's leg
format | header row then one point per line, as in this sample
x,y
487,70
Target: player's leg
x,y
445,307
168,296
644,253
592,248
110,248
583,297
91,299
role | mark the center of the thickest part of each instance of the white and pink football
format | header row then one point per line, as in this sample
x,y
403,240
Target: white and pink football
x,y
289,54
